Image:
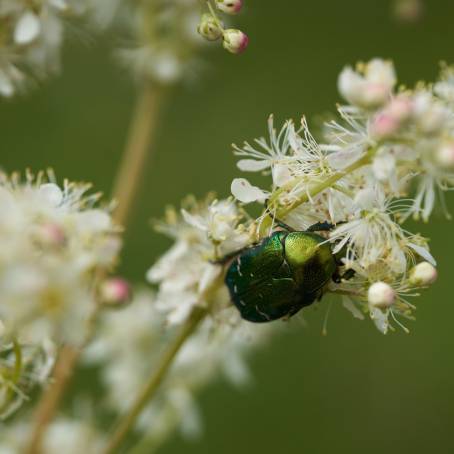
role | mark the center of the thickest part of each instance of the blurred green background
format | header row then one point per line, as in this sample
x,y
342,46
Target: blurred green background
x,y
353,391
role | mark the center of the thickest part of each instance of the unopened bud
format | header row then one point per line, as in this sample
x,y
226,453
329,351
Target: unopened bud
x,y
229,6
50,235
235,41
381,295
445,155
209,27
114,291
423,274
383,126
389,120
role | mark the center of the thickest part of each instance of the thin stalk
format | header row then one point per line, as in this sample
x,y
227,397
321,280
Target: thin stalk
x,y
321,186
51,399
127,422
313,191
137,151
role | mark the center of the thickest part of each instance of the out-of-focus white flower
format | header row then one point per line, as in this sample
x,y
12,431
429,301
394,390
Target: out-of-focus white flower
x,y
32,37
55,241
370,86
128,336
162,36
444,88
72,436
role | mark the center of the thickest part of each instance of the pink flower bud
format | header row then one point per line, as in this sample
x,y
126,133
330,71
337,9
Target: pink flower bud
x,y
384,125
229,6
400,108
114,291
381,295
235,41
389,120
50,235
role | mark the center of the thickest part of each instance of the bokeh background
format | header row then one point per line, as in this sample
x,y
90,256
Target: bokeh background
x,y
354,390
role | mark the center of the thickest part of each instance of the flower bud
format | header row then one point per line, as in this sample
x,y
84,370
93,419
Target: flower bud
x,y
235,41
209,27
229,6
381,295
390,119
423,274
383,126
445,155
50,235
114,291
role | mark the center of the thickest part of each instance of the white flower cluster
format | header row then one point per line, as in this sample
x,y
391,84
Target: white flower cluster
x,y
162,35
55,241
388,157
206,232
31,37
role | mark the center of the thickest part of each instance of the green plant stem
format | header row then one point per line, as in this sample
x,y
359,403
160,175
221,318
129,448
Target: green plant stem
x,y
137,150
317,188
126,423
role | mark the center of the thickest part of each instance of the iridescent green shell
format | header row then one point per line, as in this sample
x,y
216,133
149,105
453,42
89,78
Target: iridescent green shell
x,y
279,276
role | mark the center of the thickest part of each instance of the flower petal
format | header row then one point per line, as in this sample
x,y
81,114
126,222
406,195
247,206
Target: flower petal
x,y
246,193
350,306
252,165
27,28
424,253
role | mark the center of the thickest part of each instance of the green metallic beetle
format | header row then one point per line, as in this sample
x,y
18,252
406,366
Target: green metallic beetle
x,y
282,274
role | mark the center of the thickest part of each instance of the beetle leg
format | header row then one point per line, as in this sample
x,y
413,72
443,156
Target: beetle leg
x,y
346,276
324,226
321,227
284,225
278,222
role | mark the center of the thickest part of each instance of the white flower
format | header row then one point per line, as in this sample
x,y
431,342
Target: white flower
x,y
370,85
